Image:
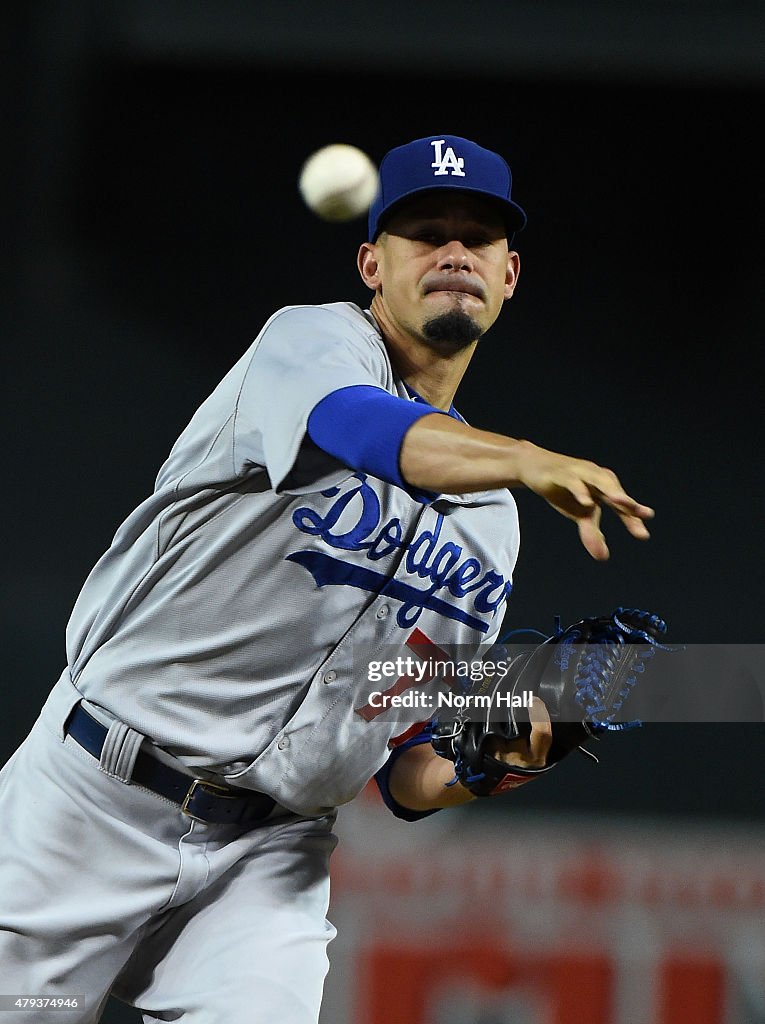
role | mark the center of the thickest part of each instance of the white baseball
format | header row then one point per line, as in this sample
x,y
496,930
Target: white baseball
x,y
338,182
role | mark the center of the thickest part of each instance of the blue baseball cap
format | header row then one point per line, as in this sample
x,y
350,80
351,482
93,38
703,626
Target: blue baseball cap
x,y
443,161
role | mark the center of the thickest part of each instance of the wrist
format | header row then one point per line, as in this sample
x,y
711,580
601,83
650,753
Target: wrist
x,y
521,454
420,779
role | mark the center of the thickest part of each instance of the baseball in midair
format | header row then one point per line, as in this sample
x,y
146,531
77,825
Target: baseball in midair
x,y
338,182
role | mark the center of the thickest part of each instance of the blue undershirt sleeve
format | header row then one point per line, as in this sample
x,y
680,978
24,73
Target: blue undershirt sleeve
x,y
364,426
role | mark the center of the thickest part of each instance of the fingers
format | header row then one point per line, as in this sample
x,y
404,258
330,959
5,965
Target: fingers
x,y
578,489
635,527
634,519
605,489
630,510
591,535
629,506
609,490
540,739
632,515
530,751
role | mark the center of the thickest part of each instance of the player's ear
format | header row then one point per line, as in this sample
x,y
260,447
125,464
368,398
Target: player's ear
x,y
368,265
513,270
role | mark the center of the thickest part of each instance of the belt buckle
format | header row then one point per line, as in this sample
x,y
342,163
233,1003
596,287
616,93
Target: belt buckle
x,y
223,791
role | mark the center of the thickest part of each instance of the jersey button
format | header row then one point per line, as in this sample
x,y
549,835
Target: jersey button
x,y
331,676
383,612
283,743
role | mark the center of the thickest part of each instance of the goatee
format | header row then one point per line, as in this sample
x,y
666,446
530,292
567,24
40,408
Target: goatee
x,y
452,331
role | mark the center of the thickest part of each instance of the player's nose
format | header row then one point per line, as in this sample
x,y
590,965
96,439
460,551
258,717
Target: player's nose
x,y
454,255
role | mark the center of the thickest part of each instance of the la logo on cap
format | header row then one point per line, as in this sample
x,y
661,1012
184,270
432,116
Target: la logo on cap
x,y
436,162
446,162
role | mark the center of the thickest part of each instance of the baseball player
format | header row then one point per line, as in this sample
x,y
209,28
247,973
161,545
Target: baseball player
x,y
167,823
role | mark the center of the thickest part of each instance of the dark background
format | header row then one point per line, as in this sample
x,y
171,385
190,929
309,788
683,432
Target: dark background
x,y
152,222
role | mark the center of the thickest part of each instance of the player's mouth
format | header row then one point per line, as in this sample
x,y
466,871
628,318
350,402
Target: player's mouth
x,y
457,285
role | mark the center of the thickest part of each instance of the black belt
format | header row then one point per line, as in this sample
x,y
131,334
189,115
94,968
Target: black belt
x,y
198,798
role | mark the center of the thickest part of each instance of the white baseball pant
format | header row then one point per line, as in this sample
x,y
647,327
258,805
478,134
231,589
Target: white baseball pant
x,y
107,887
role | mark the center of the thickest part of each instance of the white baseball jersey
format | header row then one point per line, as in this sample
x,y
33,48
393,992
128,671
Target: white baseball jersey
x,y
232,616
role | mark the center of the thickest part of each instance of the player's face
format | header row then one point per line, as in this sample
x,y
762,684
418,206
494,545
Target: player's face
x,y
443,269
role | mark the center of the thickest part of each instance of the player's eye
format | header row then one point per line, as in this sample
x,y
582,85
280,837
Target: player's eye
x,y
427,237
438,238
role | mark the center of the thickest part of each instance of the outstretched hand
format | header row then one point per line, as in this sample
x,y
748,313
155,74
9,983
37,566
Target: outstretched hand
x,y
440,454
579,490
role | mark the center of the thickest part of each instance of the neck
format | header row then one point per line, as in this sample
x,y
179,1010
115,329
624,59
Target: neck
x,y
434,375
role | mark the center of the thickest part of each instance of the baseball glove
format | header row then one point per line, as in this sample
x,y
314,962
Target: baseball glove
x,y
583,674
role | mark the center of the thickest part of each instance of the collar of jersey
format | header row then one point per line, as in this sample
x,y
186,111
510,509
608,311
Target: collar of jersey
x,y
418,398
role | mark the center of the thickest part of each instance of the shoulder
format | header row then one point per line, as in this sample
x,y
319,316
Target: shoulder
x,y
338,316
305,331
